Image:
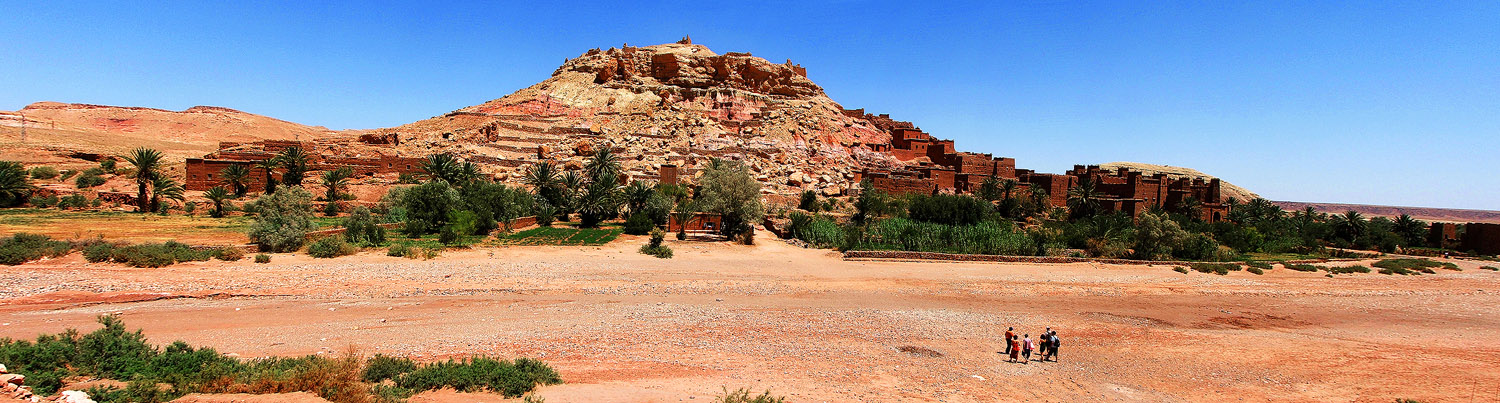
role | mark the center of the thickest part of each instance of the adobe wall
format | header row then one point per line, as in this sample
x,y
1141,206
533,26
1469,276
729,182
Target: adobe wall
x,y
1441,234
900,186
205,174
1481,238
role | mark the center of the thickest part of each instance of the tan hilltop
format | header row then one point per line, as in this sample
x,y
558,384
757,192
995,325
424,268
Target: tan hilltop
x,y
85,128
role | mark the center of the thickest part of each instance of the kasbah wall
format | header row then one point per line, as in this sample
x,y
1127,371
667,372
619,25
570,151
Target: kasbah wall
x,y
934,166
205,173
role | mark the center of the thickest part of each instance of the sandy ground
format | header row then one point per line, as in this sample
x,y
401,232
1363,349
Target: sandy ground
x,y
624,327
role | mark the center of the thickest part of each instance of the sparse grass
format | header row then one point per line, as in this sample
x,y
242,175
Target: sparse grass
x,y
1303,267
262,258
1346,269
742,395
561,236
1421,265
1215,268
123,226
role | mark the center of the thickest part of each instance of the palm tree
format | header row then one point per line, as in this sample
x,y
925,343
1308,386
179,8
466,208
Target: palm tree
x,y
989,190
1411,230
599,201
269,165
1351,224
569,187
166,188
1082,199
684,213
637,195
335,181
238,178
15,183
543,179
1007,188
148,163
604,162
294,163
1191,207
217,194
450,169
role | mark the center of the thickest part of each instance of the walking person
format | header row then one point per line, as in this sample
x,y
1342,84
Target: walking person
x,y
1013,348
1053,349
1042,344
1009,335
1026,347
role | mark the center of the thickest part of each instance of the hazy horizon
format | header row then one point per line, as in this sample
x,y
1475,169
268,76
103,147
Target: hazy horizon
x,y
1385,104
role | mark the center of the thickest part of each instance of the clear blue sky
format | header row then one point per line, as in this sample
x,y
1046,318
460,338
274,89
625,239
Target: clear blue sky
x,y
1358,102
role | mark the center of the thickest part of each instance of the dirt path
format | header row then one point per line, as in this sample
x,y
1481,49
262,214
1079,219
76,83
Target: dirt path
x,y
625,327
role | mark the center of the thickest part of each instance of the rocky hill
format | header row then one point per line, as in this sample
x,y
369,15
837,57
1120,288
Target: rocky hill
x,y
665,104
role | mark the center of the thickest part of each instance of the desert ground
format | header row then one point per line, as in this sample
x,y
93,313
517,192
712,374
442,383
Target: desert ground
x,y
806,324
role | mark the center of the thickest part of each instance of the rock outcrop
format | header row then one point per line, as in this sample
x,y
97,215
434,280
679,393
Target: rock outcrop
x,y
677,104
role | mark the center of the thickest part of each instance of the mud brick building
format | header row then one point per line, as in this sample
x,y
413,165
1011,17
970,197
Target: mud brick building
x,y
1481,238
934,166
1442,235
205,173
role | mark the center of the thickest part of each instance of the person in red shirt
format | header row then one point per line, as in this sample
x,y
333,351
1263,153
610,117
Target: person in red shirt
x,y
1009,334
1015,349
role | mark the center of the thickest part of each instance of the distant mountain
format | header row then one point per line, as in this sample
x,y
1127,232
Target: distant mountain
x,y
114,129
1420,213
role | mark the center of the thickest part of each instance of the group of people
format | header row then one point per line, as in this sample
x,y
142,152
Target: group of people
x,y
1019,348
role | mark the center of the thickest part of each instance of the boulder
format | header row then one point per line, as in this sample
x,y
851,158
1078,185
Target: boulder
x,y
17,379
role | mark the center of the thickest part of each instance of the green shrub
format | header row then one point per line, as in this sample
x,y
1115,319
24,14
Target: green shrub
x,y
72,202
1304,267
639,224
654,246
460,224
1255,271
381,367
88,180
23,247
262,258
1259,265
282,219
43,172
1215,268
949,209
330,247
989,238
1490,268
229,254
107,165
99,252
509,378
1421,265
816,230
808,201
398,250
1347,269
158,255
360,228
43,201
1180,269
